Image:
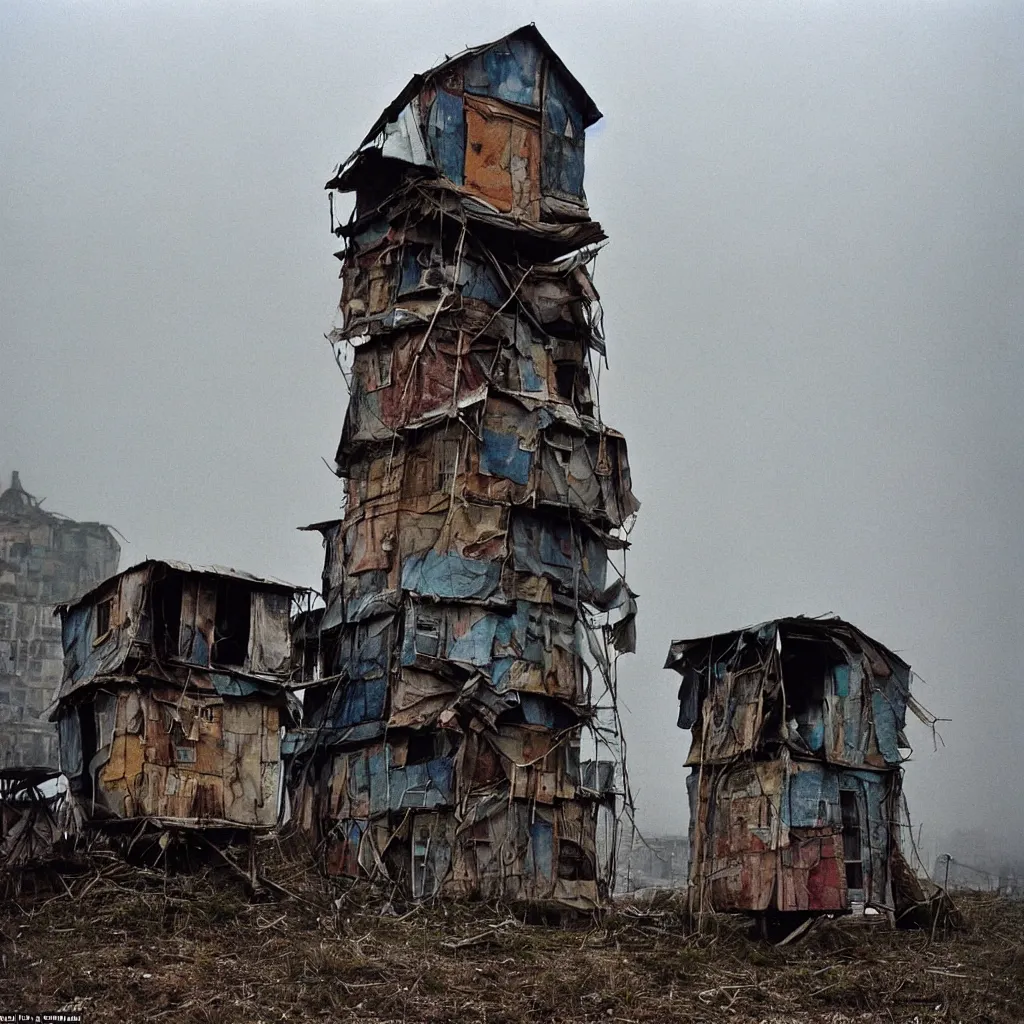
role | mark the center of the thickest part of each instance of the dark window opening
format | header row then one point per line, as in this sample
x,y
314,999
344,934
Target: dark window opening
x,y
231,625
103,610
852,855
166,601
573,864
421,748
87,730
805,668
565,380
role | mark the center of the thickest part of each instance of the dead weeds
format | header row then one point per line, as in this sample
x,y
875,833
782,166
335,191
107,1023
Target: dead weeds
x,y
123,944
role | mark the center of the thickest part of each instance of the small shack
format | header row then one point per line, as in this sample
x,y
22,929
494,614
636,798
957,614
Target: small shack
x,y
795,789
174,696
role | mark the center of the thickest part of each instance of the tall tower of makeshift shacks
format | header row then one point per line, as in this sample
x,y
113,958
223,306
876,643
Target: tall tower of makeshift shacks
x,y
45,558
463,736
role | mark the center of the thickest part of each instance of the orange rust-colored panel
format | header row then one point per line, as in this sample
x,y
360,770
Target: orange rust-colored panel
x,y
488,152
502,157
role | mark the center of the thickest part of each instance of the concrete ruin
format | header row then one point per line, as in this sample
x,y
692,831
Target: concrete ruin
x,y
45,559
463,736
174,696
795,785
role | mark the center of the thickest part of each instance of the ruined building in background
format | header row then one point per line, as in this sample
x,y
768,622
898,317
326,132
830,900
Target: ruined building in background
x,y
175,690
45,558
795,787
463,737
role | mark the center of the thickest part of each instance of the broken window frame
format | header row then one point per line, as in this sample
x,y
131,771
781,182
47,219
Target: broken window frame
x,y
103,612
852,828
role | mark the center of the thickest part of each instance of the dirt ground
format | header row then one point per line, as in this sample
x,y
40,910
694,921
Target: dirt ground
x,y
122,944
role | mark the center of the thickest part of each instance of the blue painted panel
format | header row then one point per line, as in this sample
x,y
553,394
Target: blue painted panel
x,y
412,271
562,141
449,575
476,647
507,71
886,727
414,785
360,701
547,548
446,135
540,857
500,669
371,233
197,650
229,686
478,281
841,676
529,379
537,709
812,798
562,165
501,456
363,594
811,726
75,634
361,653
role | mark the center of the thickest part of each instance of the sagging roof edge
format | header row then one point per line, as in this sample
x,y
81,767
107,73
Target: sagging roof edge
x,y
225,572
590,112
822,624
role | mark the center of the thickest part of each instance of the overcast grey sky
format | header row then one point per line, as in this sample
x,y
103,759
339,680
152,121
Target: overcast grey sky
x,y
813,298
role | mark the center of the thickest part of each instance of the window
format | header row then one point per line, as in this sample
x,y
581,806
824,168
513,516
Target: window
x,y
420,748
428,634
166,600
448,463
383,355
852,856
565,380
103,610
231,625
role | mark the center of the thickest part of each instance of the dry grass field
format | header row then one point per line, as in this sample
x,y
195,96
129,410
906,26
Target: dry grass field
x,y
121,944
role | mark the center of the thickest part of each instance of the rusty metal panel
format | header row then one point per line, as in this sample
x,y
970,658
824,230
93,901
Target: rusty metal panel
x,y
503,157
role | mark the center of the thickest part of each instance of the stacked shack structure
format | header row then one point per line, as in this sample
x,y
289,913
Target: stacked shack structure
x,y
174,697
45,558
463,737
795,788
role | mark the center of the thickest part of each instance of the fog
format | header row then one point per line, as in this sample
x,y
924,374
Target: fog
x,y
813,298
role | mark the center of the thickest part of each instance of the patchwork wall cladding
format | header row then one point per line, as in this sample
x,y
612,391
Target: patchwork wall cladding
x,y
462,734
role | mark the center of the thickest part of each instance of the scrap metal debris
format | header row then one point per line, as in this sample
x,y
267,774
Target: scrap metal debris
x,y
463,735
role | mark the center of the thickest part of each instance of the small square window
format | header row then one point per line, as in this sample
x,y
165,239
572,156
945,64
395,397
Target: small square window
x,y
428,635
